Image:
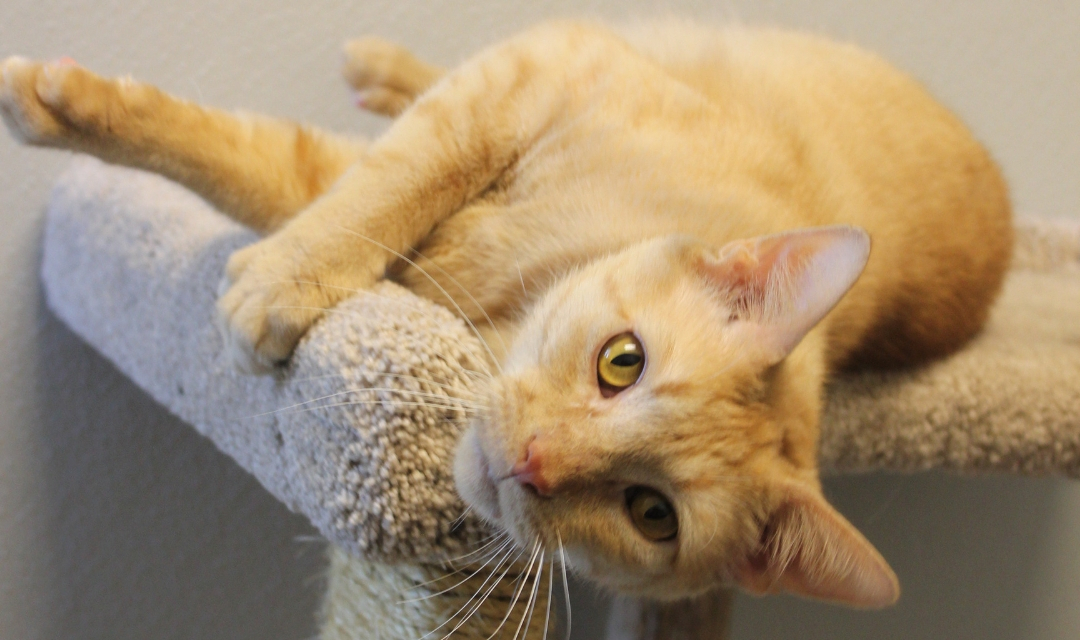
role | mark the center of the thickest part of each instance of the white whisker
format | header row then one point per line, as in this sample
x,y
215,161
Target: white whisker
x,y
494,570
415,303
521,278
502,536
566,585
483,599
437,285
432,595
380,373
314,283
473,372
532,598
520,588
421,394
458,520
456,407
484,550
375,373
474,300
551,584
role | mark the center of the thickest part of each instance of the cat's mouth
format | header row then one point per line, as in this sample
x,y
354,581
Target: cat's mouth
x,y
475,480
491,483
494,492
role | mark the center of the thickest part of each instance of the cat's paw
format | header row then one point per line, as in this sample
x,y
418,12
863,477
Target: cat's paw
x,y
271,294
26,88
386,77
59,104
56,104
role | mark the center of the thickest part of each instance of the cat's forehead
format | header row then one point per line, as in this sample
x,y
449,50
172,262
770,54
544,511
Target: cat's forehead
x,y
609,290
648,290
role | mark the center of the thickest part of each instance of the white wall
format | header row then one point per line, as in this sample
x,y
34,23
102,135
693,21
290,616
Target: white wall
x,y
117,521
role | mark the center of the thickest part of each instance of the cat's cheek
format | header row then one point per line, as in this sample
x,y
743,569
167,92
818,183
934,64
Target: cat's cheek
x,y
473,480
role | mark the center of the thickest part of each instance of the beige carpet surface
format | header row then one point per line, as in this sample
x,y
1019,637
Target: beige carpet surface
x,y
358,432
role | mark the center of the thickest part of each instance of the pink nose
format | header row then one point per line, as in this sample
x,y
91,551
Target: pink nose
x,y
528,471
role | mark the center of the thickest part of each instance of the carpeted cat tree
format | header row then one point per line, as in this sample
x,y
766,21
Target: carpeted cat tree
x,y
358,433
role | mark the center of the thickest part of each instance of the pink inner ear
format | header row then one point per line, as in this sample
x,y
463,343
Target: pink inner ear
x,y
812,551
784,284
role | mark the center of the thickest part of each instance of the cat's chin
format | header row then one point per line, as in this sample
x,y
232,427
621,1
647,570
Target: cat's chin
x,y
472,475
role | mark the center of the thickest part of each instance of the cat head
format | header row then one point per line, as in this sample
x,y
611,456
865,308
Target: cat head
x,y
657,415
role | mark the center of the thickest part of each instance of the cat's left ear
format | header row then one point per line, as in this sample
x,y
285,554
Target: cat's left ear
x,y
810,550
778,287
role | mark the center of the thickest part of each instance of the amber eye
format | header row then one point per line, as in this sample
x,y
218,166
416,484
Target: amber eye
x,y
652,514
621,362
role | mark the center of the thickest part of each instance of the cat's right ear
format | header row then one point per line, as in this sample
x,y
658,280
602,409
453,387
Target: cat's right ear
x,y
777,287
810,550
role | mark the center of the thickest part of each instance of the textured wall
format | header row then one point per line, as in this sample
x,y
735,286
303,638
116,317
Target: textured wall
x,y
116,521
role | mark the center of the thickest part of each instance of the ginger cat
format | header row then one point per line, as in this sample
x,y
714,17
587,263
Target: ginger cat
x,y
665,232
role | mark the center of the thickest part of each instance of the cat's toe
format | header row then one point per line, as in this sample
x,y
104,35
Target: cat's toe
x,y
386,76
382,100
261,323
269,298
370,62
250,344
53,82
29,117
59,103
85,102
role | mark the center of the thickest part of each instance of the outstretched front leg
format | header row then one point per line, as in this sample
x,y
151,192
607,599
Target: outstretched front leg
x,y
454,142
259,170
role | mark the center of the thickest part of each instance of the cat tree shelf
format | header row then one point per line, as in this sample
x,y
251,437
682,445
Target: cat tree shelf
x,y
132,263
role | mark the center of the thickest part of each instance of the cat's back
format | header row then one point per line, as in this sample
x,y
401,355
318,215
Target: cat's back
x,y
725,133
879,152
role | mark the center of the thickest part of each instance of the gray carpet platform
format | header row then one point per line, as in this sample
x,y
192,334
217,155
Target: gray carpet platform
x,y
132,264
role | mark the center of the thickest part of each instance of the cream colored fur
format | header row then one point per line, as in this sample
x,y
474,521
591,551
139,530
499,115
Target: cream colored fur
x,y
577,183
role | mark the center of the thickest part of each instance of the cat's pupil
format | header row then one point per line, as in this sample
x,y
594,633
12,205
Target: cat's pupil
x,y
652,514
626,360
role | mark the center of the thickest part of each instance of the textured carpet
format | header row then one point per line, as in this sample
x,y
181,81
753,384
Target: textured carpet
x,y
132,264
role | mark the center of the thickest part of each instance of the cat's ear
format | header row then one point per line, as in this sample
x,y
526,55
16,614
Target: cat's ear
x,y
810,550
778,287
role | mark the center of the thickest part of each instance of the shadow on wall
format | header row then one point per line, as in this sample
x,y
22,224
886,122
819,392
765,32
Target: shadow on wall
x,y
151,532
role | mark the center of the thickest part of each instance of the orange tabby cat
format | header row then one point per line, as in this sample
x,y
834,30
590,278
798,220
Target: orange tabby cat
x,y
670,228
